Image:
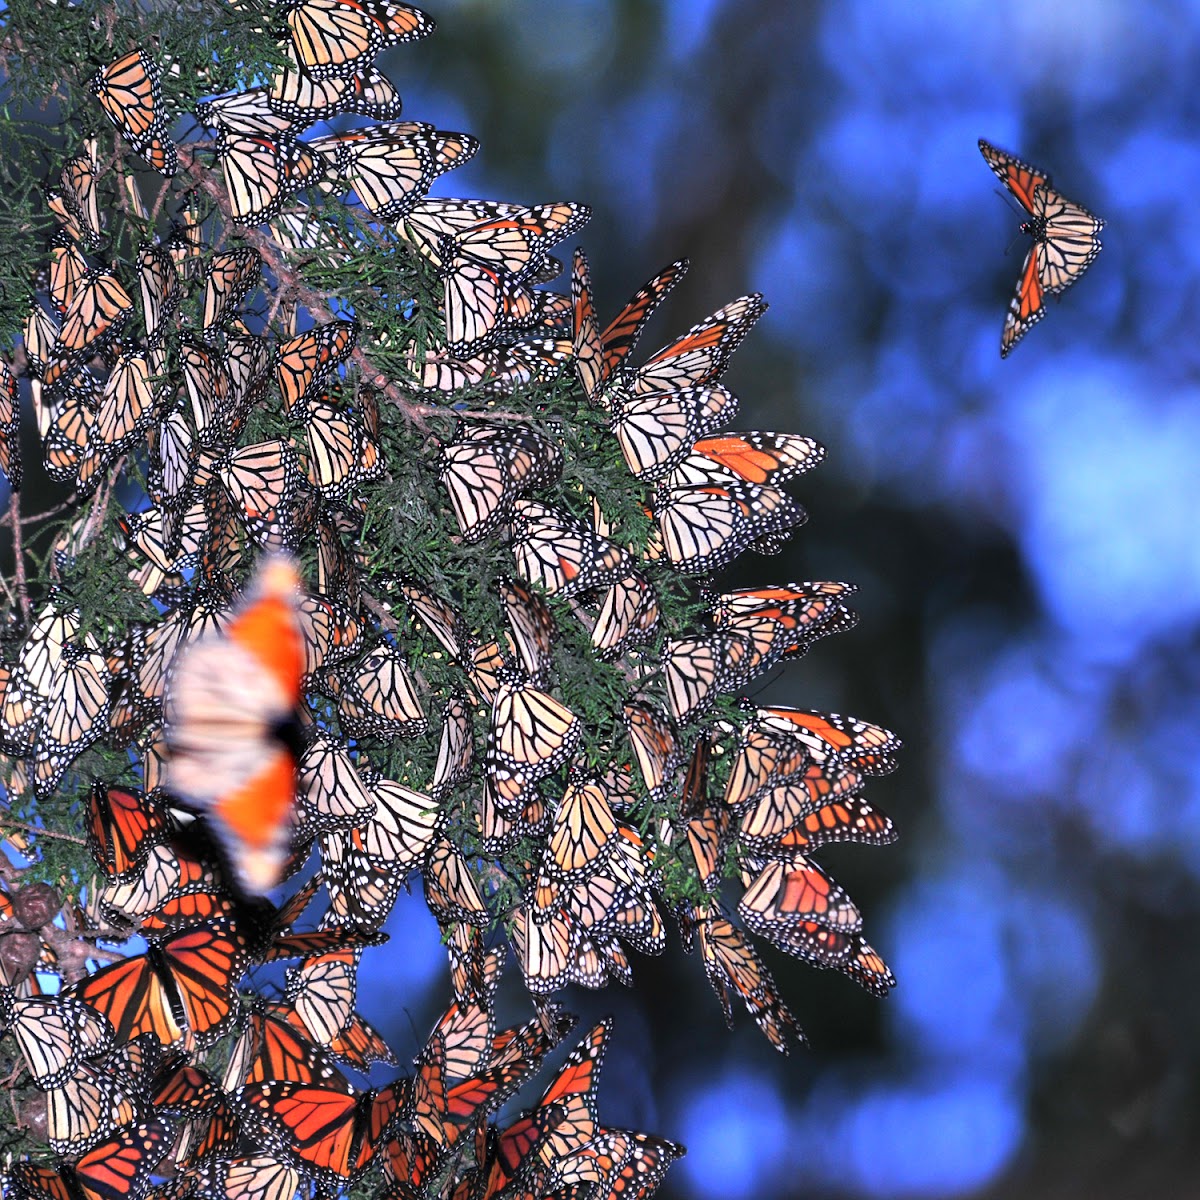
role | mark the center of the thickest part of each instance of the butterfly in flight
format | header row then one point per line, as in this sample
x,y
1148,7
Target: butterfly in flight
x,y
230,716
1066,239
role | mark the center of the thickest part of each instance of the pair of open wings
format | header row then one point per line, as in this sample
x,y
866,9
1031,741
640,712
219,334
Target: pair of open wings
x,y
1065,241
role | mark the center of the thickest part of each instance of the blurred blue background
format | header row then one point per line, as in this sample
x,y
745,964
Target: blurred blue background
x,y
1023,533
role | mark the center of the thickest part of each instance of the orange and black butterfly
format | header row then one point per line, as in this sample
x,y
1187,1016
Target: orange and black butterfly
x,y
181,990
701,355
121,1167
834,739
129,93
733,968
785,821
561,553
305,361
1066,240
328,1131
122,827
10,427
338,38
598,355
789,895
486,468
230,715
262,172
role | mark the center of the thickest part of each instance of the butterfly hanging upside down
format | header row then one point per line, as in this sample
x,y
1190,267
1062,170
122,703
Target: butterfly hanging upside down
x,y
232,728
1066,239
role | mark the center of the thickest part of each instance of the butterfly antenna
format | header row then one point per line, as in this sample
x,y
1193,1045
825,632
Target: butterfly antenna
x,y
1011,244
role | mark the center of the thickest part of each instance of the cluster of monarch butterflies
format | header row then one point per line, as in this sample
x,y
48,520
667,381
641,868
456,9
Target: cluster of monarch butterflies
x,y
304,699
157,1067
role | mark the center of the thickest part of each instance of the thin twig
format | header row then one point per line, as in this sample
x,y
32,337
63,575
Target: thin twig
x,y
6,822
14,517
6,518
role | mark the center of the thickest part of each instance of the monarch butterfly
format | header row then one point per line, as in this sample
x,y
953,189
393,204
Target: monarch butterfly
x,y
129,93
486,269
697,668
230,276
40,336
582,833
252,1177
262,172
705,528
366,866
533,628
249,360
122,826
865,966
784,821
805,611
303,98
327,1132
173,889
341,455
390,167
450,890
126,410
76,204
322,993
10,427
228,713
54,1034
598,355
335,38
756,457
485,469
766,757
531,734
76,715
1066,240
791,895
572,1093
261,481
515,243
305,361
294,96
655,746
251,113
656,430
67,270
846,741
121,1166
269,1047
706,829
97,313
430,222
378,698
733,968
455,747
32,680
627,617
71,417
330,792
561,553
181,989
701,355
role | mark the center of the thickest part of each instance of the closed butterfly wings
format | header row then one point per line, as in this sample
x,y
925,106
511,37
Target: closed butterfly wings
x,y
1066,240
